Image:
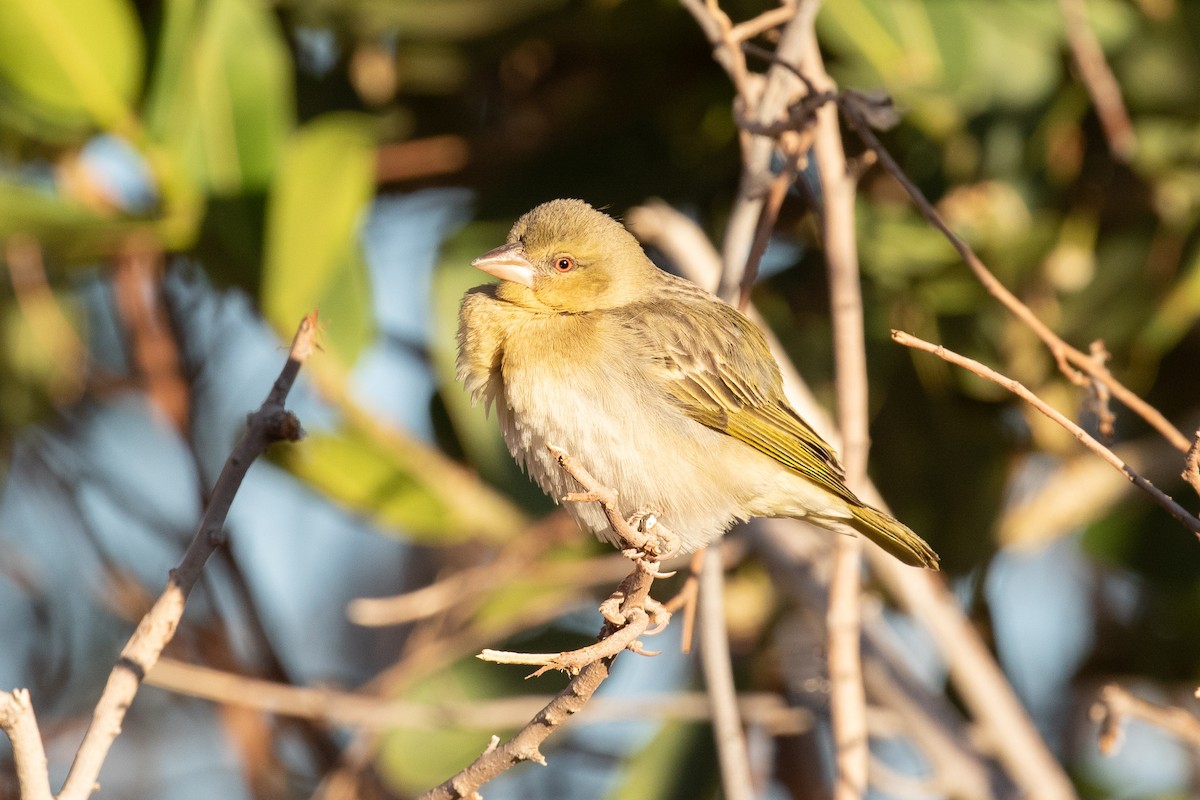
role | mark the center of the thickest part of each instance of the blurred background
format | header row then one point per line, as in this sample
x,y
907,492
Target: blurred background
x,y
181,182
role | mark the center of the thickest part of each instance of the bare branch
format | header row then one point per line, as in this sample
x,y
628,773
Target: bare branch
x,y
973,669
847,695
29,755
1115,704
1098,78
1179,512
1070,360
272,422
524,746
628,612
572,661
718,678
379,713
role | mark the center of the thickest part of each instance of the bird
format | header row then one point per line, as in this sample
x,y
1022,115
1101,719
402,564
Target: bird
x,y
662,391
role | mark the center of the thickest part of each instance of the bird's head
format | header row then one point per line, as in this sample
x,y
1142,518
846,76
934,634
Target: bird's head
x,y
566,256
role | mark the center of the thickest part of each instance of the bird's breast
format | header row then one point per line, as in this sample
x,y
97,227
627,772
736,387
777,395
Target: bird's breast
x,y
596,398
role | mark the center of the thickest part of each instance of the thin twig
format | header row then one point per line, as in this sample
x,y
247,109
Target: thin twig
x,y
686,599
524,746
1098,79
371,711
628,612
793,148
1070,359
572,661
153,352
718,678
1115,704
1179,512
272,422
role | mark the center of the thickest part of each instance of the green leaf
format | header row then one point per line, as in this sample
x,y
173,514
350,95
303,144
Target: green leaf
x,y
403,485
326,181
69,66
221,98
413,759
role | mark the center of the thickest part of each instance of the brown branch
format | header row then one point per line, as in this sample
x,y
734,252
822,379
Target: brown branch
x,y
793,147
1098,79
1179,512
686,599
421,158
1115,704
973,669
572,661
628,612
764,104
1070,359
524,746
372,711
272,422
153,351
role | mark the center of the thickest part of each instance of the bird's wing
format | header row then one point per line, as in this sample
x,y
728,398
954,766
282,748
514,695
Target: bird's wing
x,y
716,366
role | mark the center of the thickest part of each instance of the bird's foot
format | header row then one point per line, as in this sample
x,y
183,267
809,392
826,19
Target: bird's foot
x,y
653,542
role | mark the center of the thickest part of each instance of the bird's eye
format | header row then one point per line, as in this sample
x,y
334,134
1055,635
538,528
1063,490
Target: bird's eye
x,y
564,264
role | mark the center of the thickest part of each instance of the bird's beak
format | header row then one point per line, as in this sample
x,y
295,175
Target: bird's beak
x,y
508,263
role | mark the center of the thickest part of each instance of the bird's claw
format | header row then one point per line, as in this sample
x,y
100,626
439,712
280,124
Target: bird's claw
x,y
655,541
610,609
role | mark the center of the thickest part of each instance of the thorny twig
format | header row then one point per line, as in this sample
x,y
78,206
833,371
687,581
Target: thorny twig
x,y
863,113
1160,497
628,613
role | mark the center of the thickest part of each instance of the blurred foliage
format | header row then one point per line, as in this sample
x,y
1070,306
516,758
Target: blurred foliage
x,y
257,132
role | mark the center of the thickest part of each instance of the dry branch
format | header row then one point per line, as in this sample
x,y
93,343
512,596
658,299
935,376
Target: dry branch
x,y
973,669
369,710
1078,366
1179,512
1098,79
272,422
628,613
19,722
1115,704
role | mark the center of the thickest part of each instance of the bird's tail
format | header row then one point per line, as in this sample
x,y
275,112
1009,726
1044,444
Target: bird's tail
x,y
893,536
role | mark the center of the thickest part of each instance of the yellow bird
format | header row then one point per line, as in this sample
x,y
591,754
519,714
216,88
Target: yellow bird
x,y
663,392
